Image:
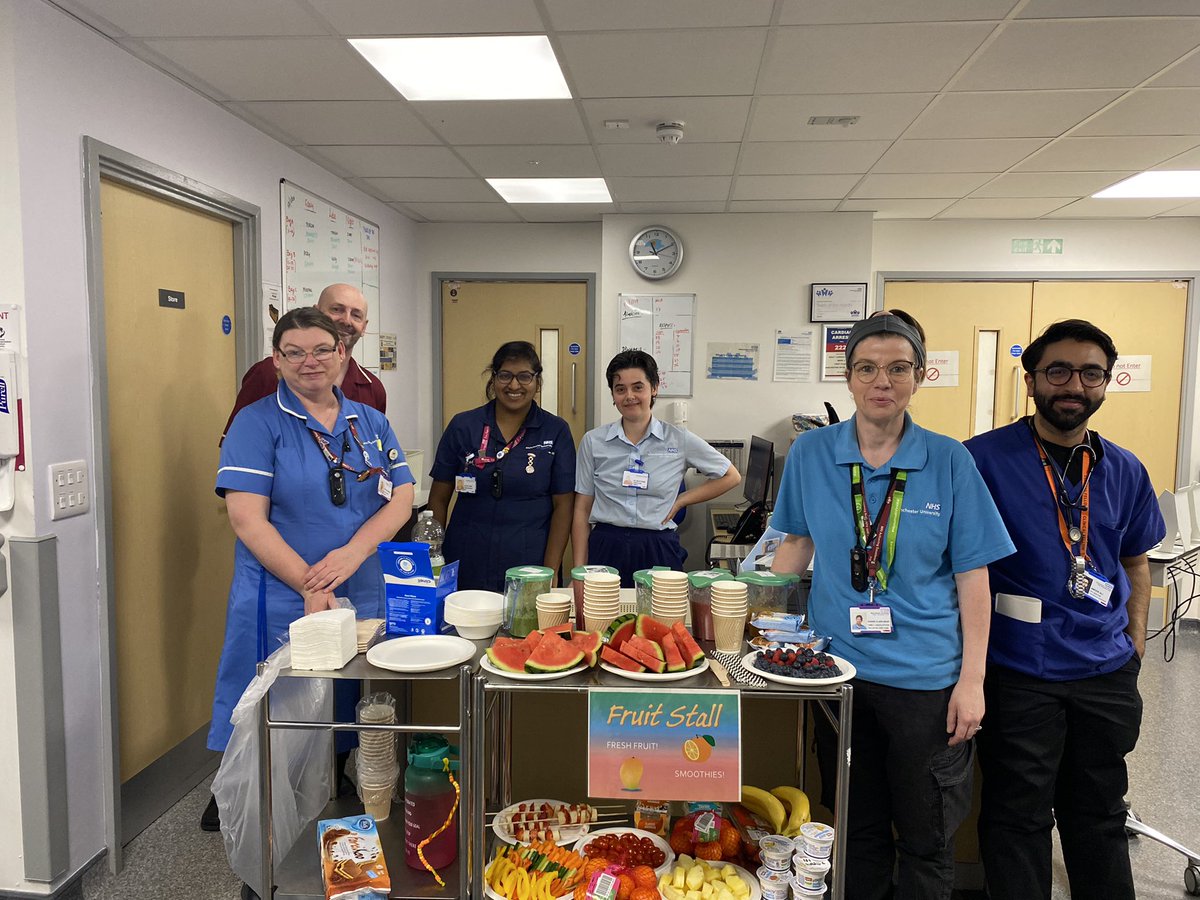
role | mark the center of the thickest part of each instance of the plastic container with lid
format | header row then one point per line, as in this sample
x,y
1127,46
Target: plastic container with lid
x,y
774,885
802,893
810,872
643,586
700,598
815,840
428,799
776,851
577,575
522,584
769,592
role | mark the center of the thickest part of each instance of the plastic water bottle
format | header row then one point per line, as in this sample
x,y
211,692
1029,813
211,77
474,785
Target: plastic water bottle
x,y
428,530
428,799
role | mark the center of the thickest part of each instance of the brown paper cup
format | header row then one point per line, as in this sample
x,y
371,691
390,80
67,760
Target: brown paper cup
x,y
548,619
591,623
728,632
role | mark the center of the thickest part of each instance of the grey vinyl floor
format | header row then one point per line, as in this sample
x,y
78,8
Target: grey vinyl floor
x,y
173,858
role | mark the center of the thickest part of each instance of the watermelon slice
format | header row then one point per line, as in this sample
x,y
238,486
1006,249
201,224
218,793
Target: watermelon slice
x,y
531,640
652,663
620,660
651,649
564,631
508,642
651,629
590,643
553,654
671,652
688,648
510,656
621,629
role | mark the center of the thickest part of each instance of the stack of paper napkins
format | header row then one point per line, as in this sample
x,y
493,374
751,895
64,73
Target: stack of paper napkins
x,y
325,640
367,629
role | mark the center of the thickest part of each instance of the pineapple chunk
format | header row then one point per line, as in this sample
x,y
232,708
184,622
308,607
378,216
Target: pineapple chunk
x,y
663,882
671,893
677,878
684,860
724,894
692,895
706,891
737,885
695,878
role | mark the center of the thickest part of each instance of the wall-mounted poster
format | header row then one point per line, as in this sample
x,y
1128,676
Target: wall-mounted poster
x,y
838,302
833,355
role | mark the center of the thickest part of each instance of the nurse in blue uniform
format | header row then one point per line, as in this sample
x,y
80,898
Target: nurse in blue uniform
x,y
628,477
313,483
511,465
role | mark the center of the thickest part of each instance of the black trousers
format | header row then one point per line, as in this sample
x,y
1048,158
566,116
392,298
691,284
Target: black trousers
x,y
1056,750
902,774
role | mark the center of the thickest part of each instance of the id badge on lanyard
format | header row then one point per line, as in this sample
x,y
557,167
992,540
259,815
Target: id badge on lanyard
x,y
636,476
868,568
1083,581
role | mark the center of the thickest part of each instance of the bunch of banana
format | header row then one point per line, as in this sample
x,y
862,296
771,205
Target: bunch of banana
x,y
766,806
796,802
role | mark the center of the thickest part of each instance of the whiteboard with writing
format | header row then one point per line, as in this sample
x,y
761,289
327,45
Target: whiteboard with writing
x,y
663,326
324,244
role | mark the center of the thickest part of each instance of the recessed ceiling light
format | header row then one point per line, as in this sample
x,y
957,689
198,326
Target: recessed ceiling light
x,y
1160,183
510,67
551,190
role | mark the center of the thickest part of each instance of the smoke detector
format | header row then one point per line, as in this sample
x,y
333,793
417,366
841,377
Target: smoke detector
x,y
669,132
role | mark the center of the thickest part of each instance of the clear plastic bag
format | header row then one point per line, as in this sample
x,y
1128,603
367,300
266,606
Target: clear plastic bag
x,y
300,768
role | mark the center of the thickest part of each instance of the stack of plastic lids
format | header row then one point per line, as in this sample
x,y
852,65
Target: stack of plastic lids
x,y
325,640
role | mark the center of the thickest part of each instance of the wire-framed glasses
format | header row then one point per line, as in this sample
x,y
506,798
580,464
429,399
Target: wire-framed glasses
x,y
897,372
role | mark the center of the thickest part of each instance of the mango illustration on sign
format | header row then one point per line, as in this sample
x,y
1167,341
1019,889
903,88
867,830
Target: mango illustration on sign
x,y
630,774
699,748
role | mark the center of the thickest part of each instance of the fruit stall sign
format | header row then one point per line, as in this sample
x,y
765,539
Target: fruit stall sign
x,y
665,744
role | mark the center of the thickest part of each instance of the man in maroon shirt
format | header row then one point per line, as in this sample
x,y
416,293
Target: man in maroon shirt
x,y
348,308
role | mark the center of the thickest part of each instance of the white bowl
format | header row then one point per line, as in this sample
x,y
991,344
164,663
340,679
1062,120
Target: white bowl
x,y
474,607
476,632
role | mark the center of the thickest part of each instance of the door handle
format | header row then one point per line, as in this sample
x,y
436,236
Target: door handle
x,y
1016,394
573,365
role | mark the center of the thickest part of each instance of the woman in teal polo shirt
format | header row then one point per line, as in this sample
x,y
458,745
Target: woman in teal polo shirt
x,y
902,528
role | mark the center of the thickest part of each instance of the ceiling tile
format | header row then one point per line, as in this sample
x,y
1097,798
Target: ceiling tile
x,y
563,212
588,15
896,209
215,18
367,18
1107,53
277,69
1004,208
514,161
793,187
1008,113
1064,9
669,189
824,12
1187,160
1106,154
1186,74
919,187
667,160
345,122
1091,208
810,157
375,161
684,63
1057,184
992,155
777,206
682,206
505,121
715,119
867,58
883,116
1190,209
464,212
406,190
1149,111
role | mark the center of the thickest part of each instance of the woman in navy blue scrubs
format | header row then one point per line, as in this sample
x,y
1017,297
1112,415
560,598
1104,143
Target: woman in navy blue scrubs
x,y
512,466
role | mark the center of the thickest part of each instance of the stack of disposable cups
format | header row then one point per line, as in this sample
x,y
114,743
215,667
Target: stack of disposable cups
x,y
601,600
669,596
553,609
730,604
376,765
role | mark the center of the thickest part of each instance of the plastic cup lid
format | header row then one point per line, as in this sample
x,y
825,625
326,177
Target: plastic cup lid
x,y
776,845
817,832
529,573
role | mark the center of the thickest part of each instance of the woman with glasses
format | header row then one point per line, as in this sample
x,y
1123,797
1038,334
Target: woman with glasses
x,y
629,475
902,528
511,467
313,483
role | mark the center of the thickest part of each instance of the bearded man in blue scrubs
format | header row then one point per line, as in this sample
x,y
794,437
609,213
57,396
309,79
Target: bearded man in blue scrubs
x,y
1068,628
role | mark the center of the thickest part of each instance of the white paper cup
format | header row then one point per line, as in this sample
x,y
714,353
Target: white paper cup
x,y
377,801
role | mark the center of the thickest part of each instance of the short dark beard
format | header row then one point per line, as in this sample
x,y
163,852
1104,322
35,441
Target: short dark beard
x,y
1065,422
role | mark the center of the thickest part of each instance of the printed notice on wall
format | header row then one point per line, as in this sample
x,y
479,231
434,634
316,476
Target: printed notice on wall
x,y
10,328
387,352
833,360
794,355
732,362
662,325
941,368
1130,374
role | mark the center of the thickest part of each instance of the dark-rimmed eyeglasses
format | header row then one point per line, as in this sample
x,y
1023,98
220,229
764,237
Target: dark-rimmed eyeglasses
x,y
897,372
297,357
1089,376
505,377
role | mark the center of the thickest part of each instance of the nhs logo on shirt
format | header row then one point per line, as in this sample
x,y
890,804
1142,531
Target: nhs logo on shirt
x,y
672,449
929,509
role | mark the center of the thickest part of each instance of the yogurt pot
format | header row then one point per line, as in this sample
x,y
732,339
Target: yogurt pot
x,y
803,893
816,840
774,885
776,852
810,872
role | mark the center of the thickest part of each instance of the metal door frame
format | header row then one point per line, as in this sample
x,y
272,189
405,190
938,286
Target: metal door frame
x,y
1187,404
102,160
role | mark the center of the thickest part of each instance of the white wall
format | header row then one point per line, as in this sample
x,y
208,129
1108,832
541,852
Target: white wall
x,y
70,82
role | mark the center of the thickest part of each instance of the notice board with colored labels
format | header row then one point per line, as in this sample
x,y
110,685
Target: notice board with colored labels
x,y
324,244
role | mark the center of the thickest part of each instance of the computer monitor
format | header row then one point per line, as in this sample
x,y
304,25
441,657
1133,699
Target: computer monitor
x,y
760,471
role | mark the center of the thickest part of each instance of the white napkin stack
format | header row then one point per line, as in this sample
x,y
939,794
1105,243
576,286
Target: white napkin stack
x,y
324,641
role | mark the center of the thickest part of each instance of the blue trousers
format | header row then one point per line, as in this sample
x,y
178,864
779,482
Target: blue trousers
x,y
629,550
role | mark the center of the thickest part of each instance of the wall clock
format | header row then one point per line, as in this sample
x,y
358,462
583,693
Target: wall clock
x,y
656,252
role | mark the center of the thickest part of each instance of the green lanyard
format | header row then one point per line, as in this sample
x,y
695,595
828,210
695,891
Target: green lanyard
x,y
869,536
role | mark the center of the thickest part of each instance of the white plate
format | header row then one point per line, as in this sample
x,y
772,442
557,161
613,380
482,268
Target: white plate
x,y
569,833
420,653
659,842
485,663
654,676
848,672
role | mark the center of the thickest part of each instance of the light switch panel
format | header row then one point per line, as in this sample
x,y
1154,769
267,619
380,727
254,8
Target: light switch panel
x,y
70,489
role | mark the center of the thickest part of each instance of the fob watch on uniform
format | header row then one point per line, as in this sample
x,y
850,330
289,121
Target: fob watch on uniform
x,y
656,252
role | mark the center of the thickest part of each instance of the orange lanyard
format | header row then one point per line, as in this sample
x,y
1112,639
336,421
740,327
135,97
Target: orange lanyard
x,y
1057,491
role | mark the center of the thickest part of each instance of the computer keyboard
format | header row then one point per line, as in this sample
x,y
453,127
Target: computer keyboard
x,y
725,521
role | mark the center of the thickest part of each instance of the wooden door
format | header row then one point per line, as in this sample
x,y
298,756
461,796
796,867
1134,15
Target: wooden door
x,y
1144,318
171,376
980,321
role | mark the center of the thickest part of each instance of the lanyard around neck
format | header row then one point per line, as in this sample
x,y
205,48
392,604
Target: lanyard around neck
x,y
340,462
871,537
483,459
1072,537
